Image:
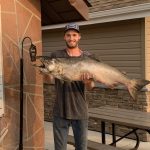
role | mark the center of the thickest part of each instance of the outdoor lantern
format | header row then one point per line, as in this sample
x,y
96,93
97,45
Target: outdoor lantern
x,y
32,51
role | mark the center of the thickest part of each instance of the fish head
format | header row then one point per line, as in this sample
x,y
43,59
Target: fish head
x,y
49,64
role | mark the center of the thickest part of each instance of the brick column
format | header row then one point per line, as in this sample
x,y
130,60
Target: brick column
x,y
21,18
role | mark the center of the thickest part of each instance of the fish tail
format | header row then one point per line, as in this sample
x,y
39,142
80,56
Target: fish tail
x,y
135,86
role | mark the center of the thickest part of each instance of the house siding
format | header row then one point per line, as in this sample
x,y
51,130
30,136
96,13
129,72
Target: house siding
x,y
101,5
147,56
117,44
147,47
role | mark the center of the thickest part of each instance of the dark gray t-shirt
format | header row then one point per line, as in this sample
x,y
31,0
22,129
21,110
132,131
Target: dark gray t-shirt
x,y
70,100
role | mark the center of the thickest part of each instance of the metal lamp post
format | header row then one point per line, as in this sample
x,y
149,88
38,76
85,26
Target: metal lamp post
x,y
32,52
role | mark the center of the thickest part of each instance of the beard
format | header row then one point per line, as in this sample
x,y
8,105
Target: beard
x,y
71,46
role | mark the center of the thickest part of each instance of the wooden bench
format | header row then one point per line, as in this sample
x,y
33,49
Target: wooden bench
x,y
93,145
116,116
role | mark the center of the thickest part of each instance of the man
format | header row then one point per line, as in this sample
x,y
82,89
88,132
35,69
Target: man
x,y
71,108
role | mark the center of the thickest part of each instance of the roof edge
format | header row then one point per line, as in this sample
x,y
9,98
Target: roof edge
x,y
87,3
124,13
123,10
81,7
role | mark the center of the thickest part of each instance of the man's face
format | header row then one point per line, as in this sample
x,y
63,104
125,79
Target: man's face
x,y
72,38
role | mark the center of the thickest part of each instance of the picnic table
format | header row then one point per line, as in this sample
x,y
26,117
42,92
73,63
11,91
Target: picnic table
x,y
116,116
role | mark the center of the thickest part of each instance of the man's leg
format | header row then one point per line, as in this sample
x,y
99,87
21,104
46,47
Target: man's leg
x,y
80,128
60,131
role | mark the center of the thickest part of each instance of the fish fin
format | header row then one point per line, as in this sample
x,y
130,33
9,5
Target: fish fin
x,y
141,84
133,93
92,56
135,86
124,73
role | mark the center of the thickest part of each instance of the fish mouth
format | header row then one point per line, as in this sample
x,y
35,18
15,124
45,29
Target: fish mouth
x,y
39,66
42,59
42,66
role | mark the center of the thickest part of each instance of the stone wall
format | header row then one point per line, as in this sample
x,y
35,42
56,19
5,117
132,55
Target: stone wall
x,y
99,97
21,18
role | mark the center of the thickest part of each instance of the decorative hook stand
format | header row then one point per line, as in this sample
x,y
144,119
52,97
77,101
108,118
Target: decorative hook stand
x,y
32,52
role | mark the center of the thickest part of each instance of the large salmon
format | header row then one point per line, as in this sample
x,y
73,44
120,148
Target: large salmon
x,y
71,69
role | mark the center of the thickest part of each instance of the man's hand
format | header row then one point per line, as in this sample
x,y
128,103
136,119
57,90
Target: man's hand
x,y
87,78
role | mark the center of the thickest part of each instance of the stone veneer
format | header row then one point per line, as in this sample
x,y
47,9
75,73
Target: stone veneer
x,y
21,18
99,97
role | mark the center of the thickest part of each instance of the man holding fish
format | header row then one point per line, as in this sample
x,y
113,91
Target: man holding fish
x,y
71,108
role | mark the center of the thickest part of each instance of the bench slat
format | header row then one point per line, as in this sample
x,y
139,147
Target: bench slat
x,y
93,145
118,111
124,116
120,121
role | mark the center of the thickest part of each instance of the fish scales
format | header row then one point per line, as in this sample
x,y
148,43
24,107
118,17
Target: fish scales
x,y
73,68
